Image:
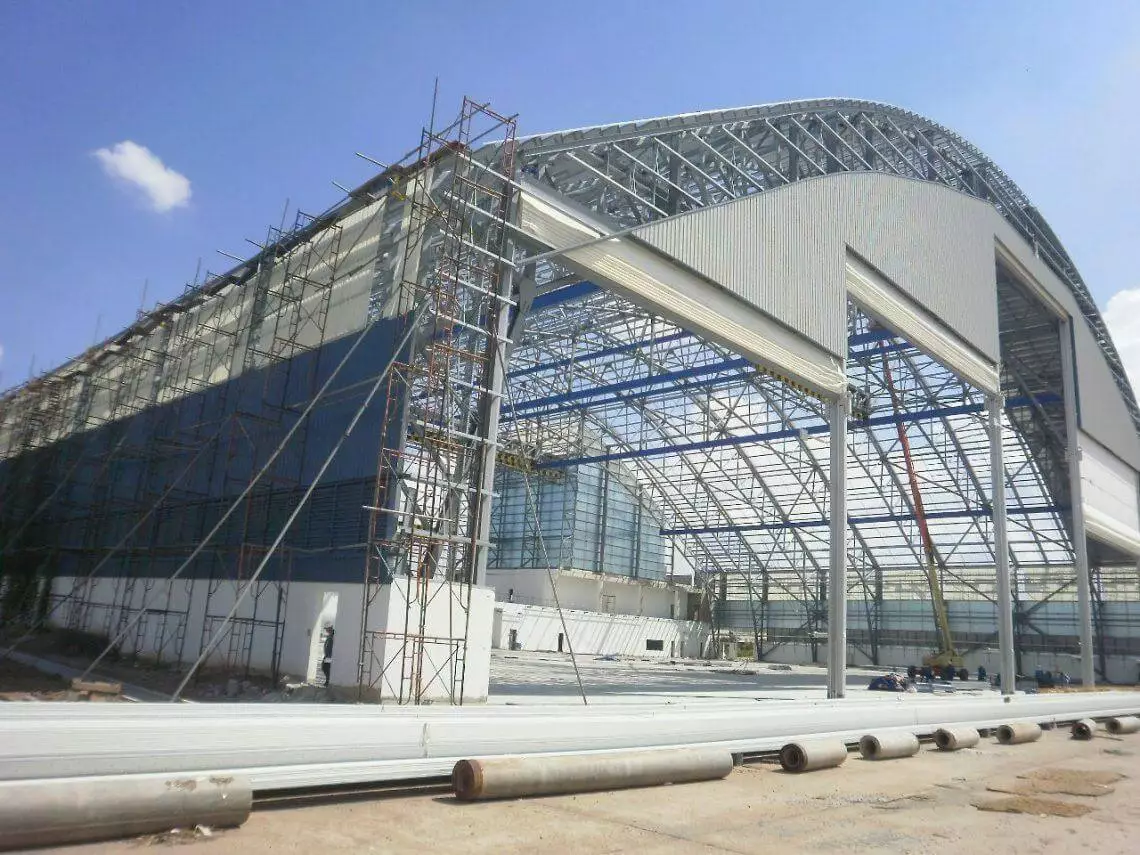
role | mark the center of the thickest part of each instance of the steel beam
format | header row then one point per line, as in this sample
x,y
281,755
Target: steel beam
x,y
284,746
966,513
837,571
1077,514
1001,547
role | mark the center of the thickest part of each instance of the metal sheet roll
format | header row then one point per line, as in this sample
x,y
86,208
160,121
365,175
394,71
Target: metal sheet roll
x,y
1123,724
1018,732
1084,729
888,746
812,754
956,738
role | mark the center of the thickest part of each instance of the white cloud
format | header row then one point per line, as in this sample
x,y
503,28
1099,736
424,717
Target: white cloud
x,y
1122,315
136,164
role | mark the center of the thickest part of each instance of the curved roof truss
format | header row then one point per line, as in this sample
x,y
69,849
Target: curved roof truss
x,y
637,172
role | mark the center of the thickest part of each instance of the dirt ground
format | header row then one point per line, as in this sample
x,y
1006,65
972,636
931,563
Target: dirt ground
x,y
18,680
923,804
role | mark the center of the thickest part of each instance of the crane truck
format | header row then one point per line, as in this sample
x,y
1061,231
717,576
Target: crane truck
x,y
946,658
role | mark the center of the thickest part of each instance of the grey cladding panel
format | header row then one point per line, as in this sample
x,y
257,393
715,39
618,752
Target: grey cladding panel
x,y
1103,413
783,250
934,244
779,250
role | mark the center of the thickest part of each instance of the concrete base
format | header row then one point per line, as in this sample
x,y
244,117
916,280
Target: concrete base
x,y
175,627
428,662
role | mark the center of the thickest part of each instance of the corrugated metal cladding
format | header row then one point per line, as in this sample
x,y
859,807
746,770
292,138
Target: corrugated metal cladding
x,y
783,251
633,269
1103,413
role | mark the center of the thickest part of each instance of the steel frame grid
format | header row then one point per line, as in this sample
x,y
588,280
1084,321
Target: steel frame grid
x,y
637,384
637,172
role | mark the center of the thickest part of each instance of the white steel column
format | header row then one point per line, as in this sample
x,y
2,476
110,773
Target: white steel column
x,y
1080,544
1001,547
837,575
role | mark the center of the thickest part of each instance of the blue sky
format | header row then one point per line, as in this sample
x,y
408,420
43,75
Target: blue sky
x,y
253,103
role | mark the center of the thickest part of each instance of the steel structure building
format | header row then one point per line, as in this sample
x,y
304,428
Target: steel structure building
x,y
721,311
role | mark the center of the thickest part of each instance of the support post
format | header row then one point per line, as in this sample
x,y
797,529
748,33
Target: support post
x,y
1077,513
1001,547
837,573
489,418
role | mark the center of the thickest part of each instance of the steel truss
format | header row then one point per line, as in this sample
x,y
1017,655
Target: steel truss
x,y
636,172
735,462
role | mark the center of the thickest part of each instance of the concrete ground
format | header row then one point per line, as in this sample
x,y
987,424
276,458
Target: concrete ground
x,y
525,678
924,804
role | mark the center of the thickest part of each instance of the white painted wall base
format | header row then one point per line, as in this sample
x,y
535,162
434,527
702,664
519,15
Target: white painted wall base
x,y
538,628
399,673
174,628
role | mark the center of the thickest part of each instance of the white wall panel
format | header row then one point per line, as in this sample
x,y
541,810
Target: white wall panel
x,y
1110,486
649,278
594,633
784,250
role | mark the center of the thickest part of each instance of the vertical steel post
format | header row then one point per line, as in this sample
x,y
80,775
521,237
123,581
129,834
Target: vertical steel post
x,y
837,575
1001,546
1080,546
489,417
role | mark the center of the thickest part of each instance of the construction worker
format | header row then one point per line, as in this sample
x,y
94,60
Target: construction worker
x,y
326,663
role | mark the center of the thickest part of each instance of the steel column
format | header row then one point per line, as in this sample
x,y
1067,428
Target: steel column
x,y
837,576
1080,544
1001,547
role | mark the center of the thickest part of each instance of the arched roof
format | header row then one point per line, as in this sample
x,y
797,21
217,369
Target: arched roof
x,y
644,170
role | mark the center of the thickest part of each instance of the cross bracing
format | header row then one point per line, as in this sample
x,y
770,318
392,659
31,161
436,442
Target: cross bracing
x,y
735,461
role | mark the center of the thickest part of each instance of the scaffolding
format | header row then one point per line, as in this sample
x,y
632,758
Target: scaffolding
x,y
428,524
285,310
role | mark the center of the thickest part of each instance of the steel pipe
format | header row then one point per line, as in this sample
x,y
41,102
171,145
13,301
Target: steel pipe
x,y
73,810
1122,724
1018,732
1084,729
809,755
956,738
514,777
888,746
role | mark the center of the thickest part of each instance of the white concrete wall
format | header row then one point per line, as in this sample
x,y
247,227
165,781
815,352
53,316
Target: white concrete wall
x,y
595,633
589,592
305,608
1121,669
441,668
